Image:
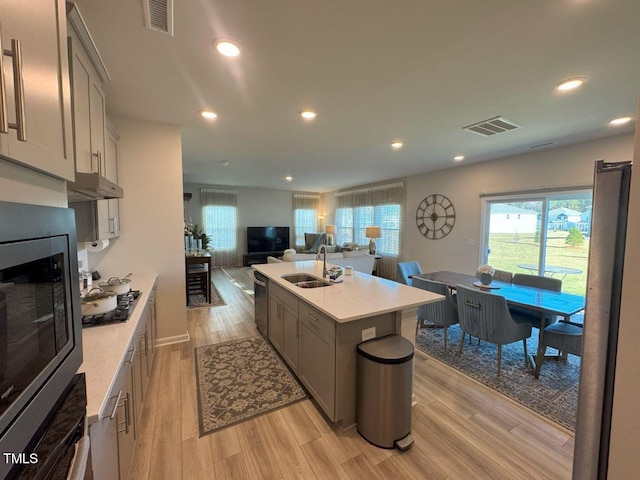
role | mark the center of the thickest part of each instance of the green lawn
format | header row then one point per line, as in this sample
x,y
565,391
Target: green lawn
x,y
508,250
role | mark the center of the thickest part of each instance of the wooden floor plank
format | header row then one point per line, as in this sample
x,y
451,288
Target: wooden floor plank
x,y
322,462
261,463
196,459
224,443
287,453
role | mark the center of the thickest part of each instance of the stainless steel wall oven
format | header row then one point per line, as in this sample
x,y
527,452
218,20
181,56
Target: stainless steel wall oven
x,y
40,326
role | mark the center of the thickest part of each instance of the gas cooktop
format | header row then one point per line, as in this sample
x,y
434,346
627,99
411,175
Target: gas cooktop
x,y
126,302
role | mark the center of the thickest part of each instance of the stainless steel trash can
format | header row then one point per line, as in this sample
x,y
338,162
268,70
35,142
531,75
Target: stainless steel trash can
x,y
384,387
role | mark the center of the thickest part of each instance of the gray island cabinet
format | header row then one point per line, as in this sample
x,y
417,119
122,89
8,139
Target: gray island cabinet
x,y
316,331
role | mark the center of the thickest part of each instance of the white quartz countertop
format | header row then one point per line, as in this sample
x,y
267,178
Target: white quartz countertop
x,y
358,296
104,349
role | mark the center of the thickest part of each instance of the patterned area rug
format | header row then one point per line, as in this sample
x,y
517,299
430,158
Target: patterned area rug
x,y
240,380
241,277
554,395
199,300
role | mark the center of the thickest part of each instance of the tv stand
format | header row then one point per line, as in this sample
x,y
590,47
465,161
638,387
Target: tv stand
x,y
249,259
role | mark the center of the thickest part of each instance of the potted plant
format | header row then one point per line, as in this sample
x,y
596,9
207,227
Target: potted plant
x,y
199,234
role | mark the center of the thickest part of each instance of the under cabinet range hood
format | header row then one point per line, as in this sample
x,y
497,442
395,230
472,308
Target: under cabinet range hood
x,y
92,186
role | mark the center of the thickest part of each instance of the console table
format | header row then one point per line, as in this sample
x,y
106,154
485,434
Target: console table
x,y
249,259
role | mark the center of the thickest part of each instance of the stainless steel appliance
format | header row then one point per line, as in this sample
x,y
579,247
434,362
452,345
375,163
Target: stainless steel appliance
x,y
125,305
261,303
41,347
602,316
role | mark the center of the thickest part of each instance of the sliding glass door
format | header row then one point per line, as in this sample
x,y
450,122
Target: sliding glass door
x,y
540,235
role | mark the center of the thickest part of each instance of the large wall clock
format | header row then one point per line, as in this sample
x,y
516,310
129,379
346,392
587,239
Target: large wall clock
x,y
435,216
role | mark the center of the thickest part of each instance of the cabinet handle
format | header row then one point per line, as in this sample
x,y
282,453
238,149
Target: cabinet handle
x,y
98,156
311,317
127,416
115,405
18,82
4,123
132,353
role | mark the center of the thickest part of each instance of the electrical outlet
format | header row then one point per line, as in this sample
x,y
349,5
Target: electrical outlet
x,y
471,242
368,333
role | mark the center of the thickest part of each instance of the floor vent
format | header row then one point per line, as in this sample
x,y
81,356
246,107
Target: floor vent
x,y
493,126
158,15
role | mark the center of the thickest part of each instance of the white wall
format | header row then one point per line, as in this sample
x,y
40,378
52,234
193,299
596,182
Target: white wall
x,y
150,173
257,207
624,461
567,166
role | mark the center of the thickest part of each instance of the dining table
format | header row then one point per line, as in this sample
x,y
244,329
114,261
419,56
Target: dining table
x,y
538,299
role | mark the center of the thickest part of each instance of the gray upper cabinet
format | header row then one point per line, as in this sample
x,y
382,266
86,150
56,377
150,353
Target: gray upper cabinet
x,y
35,116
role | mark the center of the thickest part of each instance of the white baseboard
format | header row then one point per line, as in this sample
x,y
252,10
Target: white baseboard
x,y
171,340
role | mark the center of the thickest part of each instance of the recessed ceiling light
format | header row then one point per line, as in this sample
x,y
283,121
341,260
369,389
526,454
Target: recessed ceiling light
x,y
288,178
227,48
224,163
570,84
620,121
209,115
397,145
458,158
308,114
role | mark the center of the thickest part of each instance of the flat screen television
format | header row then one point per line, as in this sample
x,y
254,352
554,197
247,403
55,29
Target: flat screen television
x,y
267,239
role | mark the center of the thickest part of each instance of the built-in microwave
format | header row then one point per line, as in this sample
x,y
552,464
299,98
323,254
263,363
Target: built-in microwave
x,y
40,326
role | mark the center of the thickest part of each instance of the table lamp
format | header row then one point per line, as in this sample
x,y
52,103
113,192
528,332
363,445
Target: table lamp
x,y
330,230
372,233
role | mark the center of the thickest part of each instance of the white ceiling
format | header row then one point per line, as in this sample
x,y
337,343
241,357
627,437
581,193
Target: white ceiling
x,y
375,71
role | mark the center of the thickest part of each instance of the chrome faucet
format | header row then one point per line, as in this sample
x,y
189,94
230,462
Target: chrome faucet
x,y
323,248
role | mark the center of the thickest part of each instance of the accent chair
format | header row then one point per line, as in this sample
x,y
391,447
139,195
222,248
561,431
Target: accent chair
x,y
486,316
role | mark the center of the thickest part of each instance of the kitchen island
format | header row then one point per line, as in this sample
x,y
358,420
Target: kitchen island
x,y
316,330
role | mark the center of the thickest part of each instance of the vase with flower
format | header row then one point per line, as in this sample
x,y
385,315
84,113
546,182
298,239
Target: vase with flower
x,y
486,274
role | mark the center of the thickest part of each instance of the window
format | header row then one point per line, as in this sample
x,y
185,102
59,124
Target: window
x,y
514,238
380,206
305,216
220,225
220,222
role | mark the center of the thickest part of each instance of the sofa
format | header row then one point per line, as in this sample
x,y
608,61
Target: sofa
x,y
360,260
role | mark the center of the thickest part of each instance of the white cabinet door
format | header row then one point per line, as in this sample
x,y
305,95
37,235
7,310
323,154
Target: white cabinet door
x,y
43,137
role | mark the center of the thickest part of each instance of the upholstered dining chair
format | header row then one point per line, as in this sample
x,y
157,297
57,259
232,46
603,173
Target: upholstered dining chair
x,y
406,269
500,275
564,336
525,315
486,316
439,314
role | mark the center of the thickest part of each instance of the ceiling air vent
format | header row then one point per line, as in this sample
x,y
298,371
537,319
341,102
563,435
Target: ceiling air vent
x,y
158,15
493,126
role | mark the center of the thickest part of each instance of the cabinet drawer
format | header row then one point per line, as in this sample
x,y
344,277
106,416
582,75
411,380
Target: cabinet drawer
x,y
283,296
314,317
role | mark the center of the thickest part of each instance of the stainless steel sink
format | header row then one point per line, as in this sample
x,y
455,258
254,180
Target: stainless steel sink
x,y
312,284
304,280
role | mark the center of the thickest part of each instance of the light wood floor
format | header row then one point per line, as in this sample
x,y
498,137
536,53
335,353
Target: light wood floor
x,y
461,429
